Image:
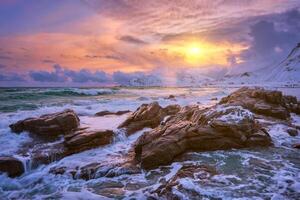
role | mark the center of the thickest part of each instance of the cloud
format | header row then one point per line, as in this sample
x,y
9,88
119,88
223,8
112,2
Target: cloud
x,y
2,66
131,39
44,76
48,61
85,75
60,74
274,39
11,77
5,57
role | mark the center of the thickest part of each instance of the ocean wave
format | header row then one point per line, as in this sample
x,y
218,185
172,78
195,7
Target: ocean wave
x,y
36,93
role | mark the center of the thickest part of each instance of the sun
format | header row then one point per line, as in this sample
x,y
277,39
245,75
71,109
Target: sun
x,y
194,51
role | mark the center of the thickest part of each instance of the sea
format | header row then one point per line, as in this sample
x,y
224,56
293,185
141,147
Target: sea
x,y
255,173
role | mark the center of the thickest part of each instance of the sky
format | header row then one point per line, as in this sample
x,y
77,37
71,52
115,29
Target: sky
x,y
109,42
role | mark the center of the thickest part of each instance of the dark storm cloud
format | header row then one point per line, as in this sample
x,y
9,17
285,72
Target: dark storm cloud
x,y
274,38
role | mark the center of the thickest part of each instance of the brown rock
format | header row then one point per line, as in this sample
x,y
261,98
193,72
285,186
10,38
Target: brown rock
x,y
264,102
106,112
193,171
97,170
78,141
193,129
87,139
12,166
48,125
292,132
296,146
147,115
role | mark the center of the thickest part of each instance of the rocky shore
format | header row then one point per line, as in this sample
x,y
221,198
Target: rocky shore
x,y
237,121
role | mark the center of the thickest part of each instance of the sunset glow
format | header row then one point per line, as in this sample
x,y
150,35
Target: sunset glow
x,y
139,36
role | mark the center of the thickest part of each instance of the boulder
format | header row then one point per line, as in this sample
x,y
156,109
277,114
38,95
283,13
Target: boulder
x,y
48,125
106,112
263,102
85,138
296,146
80,140
292,132
147,115
194,129
12,166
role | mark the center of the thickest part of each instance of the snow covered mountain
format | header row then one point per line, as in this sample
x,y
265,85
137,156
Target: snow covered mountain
x,y
288,70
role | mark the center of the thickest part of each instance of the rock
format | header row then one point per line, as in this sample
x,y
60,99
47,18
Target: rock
x,y
171,97
296,146
106,112
84,139
115,193
194,129
147,115
292,132
214,99
78,141
12,166
48,125
192,171
97,170
264,102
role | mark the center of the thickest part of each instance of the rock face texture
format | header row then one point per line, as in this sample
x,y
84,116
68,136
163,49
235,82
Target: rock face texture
x,y
80,140
229,124
85,138
193,129
147,115
264,102
97,170
12,166
48,125
192,171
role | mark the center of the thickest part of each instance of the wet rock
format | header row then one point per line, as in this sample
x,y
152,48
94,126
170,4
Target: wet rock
x,y
106,112
78,141
292,132
58,170
296,146
264,102
85,139
194,129
115,193
192,171
48,125
97,170
147,115
12,166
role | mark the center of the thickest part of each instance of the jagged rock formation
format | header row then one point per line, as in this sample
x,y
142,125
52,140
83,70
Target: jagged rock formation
x,y
230,124
265,102
147,115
